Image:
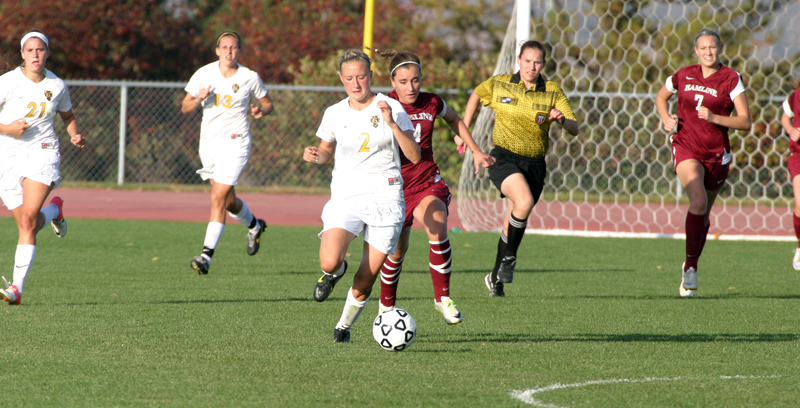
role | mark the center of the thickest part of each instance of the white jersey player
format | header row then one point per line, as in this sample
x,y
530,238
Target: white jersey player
x,y
225,90
364,132
30,98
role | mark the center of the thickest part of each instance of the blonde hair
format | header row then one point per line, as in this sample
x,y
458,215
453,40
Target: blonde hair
x,y
230,33
354,54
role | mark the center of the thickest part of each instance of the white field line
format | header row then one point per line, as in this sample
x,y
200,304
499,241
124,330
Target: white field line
x,y
527,396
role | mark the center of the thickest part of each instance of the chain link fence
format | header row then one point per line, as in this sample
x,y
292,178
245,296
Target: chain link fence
x,y
136,133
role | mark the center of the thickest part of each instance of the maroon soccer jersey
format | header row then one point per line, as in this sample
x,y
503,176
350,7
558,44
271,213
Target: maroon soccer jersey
x,y
794,111
422,113
715,93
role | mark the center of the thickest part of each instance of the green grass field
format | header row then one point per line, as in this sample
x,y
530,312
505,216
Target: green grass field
x,y
112,315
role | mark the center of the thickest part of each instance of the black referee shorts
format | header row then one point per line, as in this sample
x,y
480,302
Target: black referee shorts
x,y
533,169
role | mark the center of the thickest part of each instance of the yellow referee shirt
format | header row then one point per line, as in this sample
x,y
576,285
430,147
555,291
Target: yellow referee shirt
x,y
521,115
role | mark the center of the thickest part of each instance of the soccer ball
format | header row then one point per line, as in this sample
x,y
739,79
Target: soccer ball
x,y
394,330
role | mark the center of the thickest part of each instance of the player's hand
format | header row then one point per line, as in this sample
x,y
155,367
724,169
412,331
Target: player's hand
x,y
256,111
17,128
705,114
481,159
462,148
78,140
204,92
557,116
311,154
670,122
386,111
795,134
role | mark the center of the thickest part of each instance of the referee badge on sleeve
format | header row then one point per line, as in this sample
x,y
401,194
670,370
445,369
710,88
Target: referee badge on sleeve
x,y
540,118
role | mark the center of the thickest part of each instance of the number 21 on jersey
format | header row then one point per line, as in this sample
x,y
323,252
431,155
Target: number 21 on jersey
x,y
32,113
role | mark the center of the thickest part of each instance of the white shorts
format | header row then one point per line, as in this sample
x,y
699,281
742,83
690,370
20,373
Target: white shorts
x,y
224,158
41,166
380,222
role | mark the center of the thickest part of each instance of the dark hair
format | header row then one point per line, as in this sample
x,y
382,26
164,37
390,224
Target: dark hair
x,y
354,54
399,58
230,33
708,31
533,44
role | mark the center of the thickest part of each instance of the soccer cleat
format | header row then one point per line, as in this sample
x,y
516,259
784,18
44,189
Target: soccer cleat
x,y
506,271
448,310
59,224
341,335
11,294
495,288
200,264
326,283
254,240
688,282
796,260
382,308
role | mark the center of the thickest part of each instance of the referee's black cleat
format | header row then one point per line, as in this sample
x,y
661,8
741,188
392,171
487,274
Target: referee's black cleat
x,y
506,271
341,335
254,239
495,288
200,264
325,284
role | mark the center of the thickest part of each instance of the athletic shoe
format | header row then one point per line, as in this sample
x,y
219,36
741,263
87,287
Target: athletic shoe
x,y
382,308
325,285
448,310
688,282
59,224
796,260
341,335
11,294
506,271
254,240
495,288
200,264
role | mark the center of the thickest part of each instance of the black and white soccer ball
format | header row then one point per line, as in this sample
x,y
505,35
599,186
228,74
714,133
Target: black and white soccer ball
x,y
394,330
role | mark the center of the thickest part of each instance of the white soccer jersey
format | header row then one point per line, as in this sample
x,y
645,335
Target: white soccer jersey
x,y
226,108
37,104
367,159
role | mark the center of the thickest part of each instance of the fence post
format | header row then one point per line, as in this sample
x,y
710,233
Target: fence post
x,y
123,114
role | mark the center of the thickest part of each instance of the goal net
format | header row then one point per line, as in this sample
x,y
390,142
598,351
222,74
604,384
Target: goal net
x,y
616,178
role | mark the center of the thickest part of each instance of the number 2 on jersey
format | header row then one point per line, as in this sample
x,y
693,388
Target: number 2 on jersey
x,y
699,99
33,107
365,138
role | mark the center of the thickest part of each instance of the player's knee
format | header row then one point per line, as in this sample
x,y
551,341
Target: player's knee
x,y
27,223
330,265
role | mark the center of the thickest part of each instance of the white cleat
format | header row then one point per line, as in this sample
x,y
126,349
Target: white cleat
x,y
796,260
688,282
11,294
449,311
382,309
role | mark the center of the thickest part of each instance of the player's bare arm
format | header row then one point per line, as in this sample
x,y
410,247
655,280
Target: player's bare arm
x,y
72,129
793,132
15,129
463,134
190,103
264,107
741,121
669,121
321,154
569,125
405,139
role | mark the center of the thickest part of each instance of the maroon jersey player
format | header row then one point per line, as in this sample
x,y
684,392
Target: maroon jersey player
x,y
701,152
790,119
427,196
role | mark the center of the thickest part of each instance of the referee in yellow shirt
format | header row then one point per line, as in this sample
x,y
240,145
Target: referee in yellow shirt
x,y
525,105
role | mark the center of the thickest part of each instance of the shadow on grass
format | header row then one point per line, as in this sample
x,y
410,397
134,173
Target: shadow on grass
x,y
628,338
489,268
695,298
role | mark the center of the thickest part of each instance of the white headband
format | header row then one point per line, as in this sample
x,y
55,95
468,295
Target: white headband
x,y
33,34
404,63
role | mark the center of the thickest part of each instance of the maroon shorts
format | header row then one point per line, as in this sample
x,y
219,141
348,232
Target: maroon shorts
x,y
794,165
715,165
434,186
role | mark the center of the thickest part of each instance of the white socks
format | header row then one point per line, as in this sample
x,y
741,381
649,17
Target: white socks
x,y
22,264
245,217
50,213
352,309
213,234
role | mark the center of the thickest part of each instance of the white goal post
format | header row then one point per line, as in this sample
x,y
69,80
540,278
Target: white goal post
x,y
616,178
